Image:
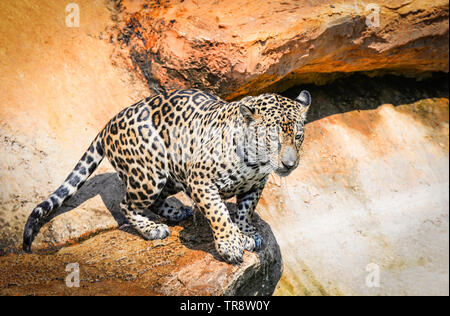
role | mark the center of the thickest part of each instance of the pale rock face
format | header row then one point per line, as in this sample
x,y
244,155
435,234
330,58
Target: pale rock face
x,y
370,196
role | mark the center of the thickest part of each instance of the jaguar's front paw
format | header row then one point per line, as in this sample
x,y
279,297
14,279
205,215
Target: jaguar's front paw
x,y
157,231
258,238
253,242
231,249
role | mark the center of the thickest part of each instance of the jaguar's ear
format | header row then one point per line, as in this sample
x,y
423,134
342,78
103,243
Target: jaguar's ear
x,y
304,98
247,112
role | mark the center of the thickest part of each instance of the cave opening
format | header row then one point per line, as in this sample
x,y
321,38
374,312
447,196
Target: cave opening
x,y
361,92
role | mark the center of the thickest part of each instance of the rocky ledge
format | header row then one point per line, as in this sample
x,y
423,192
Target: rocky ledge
x,y
119,262
234,48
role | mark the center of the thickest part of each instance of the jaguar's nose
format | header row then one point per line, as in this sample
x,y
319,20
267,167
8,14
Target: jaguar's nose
x,y
288,164
289,158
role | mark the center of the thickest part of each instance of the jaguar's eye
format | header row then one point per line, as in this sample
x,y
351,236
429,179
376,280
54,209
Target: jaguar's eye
x,y
299,136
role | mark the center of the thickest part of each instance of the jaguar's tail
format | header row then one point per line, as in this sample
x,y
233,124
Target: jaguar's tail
x,y
85,167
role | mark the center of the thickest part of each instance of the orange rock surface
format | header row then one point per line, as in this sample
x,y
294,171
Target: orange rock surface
x,y
59,89
234,48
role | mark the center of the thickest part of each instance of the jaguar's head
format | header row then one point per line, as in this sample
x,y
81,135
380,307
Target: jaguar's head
x,y
275,129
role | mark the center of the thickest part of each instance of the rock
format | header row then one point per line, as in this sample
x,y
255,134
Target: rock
x,y
234,48
59,90
119,262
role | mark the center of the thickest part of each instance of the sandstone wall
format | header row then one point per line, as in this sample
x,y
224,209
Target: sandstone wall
x,y
234,48
372,191
58,89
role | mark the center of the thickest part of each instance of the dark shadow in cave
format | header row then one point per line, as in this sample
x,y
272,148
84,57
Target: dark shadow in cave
x,y
360,92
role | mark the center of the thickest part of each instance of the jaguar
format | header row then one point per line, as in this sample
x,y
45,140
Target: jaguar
x,y
192,141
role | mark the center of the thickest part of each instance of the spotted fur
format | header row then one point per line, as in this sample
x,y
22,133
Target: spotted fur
x,y
194,142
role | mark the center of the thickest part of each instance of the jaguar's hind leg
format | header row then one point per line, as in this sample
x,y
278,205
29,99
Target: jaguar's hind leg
x,y
138,198
173,213
165,209
139,221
